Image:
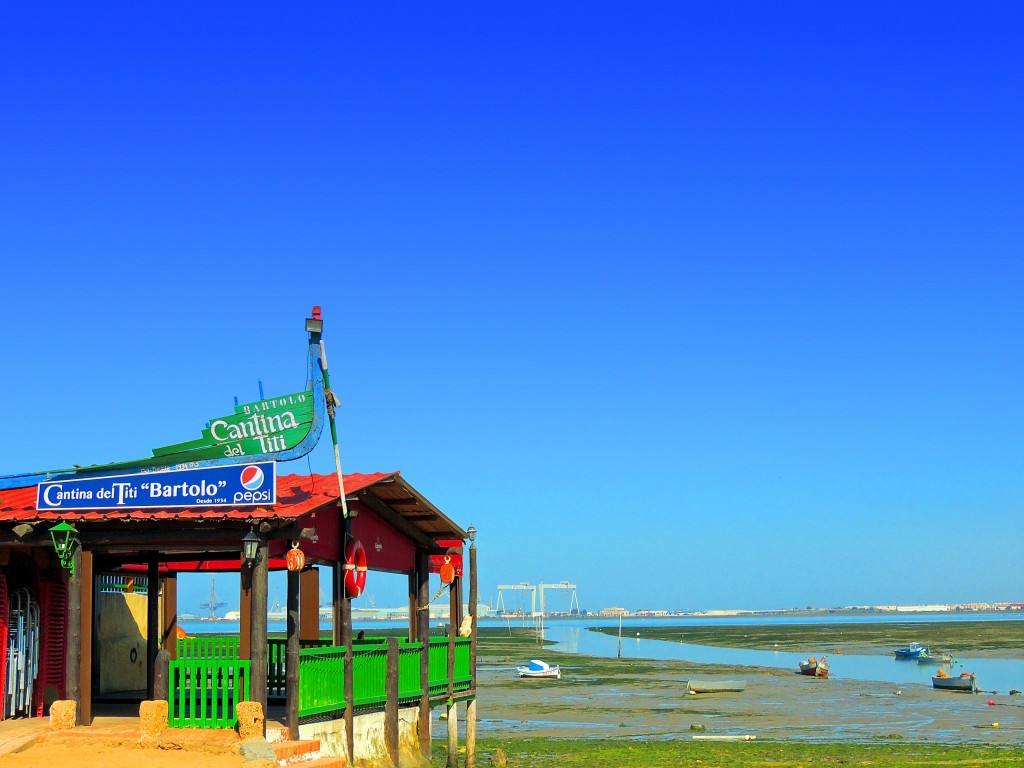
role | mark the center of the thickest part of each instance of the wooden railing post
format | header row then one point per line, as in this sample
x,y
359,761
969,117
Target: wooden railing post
x,y
421,618
391,702
258,628
153,629
471,706
453,712
291,658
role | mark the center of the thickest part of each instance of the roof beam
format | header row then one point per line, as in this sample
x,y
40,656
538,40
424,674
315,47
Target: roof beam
x,y
396,521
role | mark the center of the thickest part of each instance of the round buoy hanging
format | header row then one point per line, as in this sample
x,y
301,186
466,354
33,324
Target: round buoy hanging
x,y
447,571
296,558
355,568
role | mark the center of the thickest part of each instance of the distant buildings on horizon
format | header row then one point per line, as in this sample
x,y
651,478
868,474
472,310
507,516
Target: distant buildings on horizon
x,y
616,611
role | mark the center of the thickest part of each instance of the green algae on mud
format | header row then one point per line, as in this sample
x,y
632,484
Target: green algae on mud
x,y
643,701
1001,639
614,753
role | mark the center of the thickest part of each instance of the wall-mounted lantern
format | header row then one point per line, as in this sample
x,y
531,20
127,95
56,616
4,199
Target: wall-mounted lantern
x,y
251,549
63,535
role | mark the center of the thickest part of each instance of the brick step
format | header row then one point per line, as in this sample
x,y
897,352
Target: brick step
x,y
326,762
276,734
289,752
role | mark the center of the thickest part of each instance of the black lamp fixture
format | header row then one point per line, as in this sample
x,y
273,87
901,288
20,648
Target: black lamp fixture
x,y
251,548
471,533
63,535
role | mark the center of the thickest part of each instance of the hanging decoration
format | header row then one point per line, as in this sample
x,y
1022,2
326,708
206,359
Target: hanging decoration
x,y
63,535
296,558
447,571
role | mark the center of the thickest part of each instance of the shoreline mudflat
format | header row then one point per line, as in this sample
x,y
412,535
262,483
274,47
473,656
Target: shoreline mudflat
x,y
645,699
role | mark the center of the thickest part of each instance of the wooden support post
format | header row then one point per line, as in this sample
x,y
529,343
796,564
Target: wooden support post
x,y
349,692
258,628
413,593
346,640
337,574
453,713
72,668
455,600
309,604
87,611
471,706
92,632
391,702
169,633
245,613
291,659
420,618
153,628
453,735
162,675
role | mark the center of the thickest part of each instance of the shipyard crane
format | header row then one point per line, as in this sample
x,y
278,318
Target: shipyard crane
x,y
213,603
563,586
520,587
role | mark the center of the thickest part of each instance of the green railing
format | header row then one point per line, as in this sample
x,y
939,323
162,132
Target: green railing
x,y
190,648
321,680
277,648
202,693
409,688
321,675
438,679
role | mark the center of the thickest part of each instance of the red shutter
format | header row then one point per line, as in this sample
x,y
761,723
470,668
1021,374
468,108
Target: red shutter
x,y
53,608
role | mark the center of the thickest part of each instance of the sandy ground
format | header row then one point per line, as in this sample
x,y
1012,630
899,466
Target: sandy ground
x,y
775,705
95,756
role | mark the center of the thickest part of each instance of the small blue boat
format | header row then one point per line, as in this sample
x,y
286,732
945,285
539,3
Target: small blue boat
x,y
912,651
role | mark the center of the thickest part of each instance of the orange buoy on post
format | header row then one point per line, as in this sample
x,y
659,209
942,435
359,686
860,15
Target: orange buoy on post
x,y
355,568
447,571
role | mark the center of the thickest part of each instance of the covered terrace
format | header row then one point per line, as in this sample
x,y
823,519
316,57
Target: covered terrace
x,y
317,680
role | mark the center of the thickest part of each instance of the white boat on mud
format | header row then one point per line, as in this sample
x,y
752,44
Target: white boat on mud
x,y
539,668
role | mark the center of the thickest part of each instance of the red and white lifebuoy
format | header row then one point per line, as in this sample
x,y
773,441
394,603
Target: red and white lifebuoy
x,y
355,568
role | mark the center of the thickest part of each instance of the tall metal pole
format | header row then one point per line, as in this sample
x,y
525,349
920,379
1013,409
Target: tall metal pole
x,y
332,403
620,636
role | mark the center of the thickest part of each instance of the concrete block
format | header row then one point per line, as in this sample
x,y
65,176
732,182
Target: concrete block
x,y
250,720
153,717
257,749
63,715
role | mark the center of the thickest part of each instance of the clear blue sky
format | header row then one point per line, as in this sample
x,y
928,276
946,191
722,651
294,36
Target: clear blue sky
x,y
694,306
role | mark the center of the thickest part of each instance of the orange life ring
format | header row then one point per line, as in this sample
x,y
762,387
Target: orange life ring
x,y
355,568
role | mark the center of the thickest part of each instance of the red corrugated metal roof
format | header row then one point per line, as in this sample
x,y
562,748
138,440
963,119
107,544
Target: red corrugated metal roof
x,y
297,495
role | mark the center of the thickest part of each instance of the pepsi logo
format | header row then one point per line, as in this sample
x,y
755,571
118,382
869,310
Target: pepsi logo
x,y
252,478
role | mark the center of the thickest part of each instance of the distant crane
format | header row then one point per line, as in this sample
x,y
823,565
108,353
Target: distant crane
x,y
212,604
564,586
520,587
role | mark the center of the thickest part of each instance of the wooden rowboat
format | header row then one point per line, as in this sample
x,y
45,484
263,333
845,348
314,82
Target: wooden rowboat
x,y
815,667
714,685
967,682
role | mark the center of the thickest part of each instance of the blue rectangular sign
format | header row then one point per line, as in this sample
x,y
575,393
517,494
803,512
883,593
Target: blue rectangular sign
x,y
233,485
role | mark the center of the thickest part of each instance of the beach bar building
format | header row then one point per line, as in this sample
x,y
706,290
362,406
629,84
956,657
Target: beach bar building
x,y
89,566
365,698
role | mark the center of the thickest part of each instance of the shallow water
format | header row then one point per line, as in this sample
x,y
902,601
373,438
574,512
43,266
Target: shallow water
x,y
996,675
